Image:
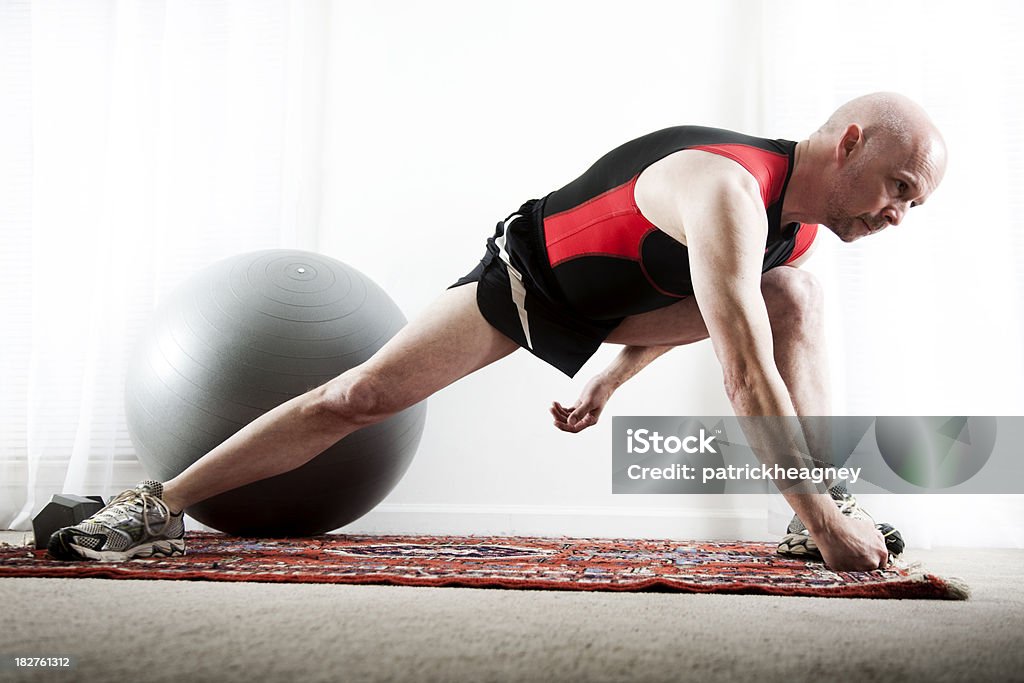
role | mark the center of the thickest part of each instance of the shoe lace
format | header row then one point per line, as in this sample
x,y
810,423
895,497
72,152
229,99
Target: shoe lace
x,y
849,507
134,500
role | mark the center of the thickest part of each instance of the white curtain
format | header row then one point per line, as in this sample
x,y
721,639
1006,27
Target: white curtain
x,y
141,141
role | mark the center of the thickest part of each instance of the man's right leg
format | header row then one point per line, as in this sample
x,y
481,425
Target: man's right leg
x,y
450,340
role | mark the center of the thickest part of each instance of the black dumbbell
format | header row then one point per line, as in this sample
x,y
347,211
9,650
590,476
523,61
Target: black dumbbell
x,y
63,510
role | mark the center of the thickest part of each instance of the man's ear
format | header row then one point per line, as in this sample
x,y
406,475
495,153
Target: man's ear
x,y
852,137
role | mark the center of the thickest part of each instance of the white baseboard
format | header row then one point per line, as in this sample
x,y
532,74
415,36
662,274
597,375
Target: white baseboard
x,y
600,522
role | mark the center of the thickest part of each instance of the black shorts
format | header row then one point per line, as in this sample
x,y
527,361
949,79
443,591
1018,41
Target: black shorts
x,y
518,296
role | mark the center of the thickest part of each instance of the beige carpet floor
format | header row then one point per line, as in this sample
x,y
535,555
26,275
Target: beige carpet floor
x,y
197,631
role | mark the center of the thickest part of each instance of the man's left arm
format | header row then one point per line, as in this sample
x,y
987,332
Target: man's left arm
x,y
588,407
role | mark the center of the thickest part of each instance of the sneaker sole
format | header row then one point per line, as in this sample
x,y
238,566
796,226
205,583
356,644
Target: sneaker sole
x,y
799,545
61,550
802,545
893,539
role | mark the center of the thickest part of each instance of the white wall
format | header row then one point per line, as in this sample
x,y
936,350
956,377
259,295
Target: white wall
x,y
444,118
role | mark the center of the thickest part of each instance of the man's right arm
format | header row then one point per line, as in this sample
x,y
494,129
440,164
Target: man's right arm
x,y
725,227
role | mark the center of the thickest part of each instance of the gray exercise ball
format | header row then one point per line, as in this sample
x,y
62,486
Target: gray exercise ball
x,y
241,337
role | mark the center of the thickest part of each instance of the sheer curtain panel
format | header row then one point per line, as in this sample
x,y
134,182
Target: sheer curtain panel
x,y
141,141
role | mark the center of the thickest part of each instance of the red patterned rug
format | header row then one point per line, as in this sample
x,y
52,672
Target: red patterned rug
x,y
500,562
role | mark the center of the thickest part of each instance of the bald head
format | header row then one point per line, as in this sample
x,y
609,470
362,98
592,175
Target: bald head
x,y
877,156
892,119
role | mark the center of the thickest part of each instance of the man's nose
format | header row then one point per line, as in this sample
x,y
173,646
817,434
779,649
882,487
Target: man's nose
x,y
892,215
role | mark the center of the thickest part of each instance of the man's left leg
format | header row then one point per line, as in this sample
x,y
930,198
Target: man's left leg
x,y
800,355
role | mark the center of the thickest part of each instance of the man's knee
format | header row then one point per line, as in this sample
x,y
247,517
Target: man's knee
x,y
792,295
357,397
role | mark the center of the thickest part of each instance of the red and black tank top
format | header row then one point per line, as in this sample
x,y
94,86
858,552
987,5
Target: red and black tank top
x,y
608,261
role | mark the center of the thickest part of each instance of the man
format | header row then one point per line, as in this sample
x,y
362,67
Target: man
x,y
680,235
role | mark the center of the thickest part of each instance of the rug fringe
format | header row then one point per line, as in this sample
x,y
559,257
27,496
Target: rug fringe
x,y
956,588
953,587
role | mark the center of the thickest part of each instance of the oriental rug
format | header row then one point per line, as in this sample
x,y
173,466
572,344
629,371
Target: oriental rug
x,y
502,562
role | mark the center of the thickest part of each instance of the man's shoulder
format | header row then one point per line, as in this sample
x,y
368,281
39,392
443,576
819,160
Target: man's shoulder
x,y
691,135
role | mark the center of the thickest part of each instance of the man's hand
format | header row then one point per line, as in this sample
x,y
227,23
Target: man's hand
x,y
587,409
852,545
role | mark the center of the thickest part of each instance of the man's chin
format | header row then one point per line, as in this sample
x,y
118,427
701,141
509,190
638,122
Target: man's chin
x,y
846,235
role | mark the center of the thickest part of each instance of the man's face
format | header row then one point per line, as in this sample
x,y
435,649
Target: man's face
x,y
875,188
